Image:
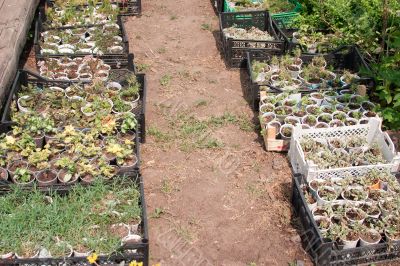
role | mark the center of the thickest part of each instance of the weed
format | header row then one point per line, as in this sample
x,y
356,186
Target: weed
x,y
206,26
158,135
173,17
200,103
162,50
166,186
157,213
142,67
184,233
165,80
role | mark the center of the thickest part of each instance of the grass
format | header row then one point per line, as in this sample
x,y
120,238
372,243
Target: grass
x,y
157,213
200,103
158,135
165,80
70,218
173,17
162,50
184,233
206,26
142,67
166,186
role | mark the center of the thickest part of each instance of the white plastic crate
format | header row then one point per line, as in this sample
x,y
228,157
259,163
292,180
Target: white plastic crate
x,y
372,131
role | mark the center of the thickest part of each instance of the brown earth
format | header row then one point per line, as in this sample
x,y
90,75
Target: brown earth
x,y
212,191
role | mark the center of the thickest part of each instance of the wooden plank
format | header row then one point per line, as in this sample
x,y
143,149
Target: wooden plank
x,y
15,21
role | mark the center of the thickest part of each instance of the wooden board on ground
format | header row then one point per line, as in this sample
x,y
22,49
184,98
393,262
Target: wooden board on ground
x,y
15,20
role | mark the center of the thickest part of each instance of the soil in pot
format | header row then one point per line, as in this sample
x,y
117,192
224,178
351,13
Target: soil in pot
x,y
46,177
17,164
370,236
287,132
370,114
66,177
370,209
87,178
355,214
327,194
323,223
299,113
3,174
314,110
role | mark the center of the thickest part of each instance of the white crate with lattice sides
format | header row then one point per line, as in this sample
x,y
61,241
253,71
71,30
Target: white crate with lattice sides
x,y
371,131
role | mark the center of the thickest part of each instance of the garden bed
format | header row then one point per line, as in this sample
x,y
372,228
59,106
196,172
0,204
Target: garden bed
x,y
327,251
118,238
120,77
353,148
126,8
243,31
262,65
108,42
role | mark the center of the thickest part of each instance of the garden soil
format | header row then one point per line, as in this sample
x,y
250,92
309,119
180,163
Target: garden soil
x,y
212,191
214,195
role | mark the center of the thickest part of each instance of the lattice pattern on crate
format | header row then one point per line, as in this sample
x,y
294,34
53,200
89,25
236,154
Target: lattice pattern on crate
x,y
372,132
354,171
339,132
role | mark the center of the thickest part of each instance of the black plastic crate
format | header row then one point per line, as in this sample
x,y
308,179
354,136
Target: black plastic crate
x,y
121,58
345,57
128,8
126,253
23,78
323,251
235,49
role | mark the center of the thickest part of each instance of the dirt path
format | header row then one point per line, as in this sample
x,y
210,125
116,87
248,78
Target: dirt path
x,y
213,193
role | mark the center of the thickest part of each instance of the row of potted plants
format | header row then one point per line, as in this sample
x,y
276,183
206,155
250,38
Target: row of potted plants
x,y
342,152
312,41
37,151
289,73
274,6
352,210
71,16
252,33
316,110
100,218
78,68
93,40
81,105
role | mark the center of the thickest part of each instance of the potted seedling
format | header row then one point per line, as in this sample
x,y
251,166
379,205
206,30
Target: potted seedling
x,y
367,106
336,123
323,223
127,161
392,229
128,127
355,114
350,121
311,77
369,236
46,177
347,237
324,117
348,78
306,101
336,143
339,115
39,160
324,210
67,173
292,120
87,171
322,125
311,201
131,94
326,194
22,176
356,142
317,97
355,215
299,112
319,62
266,108
313,109
27,250
283,111
370,114
372,210
61,250
286,131
309,120
328,109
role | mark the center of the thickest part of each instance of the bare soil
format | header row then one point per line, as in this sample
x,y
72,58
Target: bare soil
x,y
211,190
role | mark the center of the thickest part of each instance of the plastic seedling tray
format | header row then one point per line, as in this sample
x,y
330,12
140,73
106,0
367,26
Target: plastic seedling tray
x,y
235,49
373,133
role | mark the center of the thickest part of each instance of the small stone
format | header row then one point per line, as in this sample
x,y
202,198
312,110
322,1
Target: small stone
x,y
295,239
